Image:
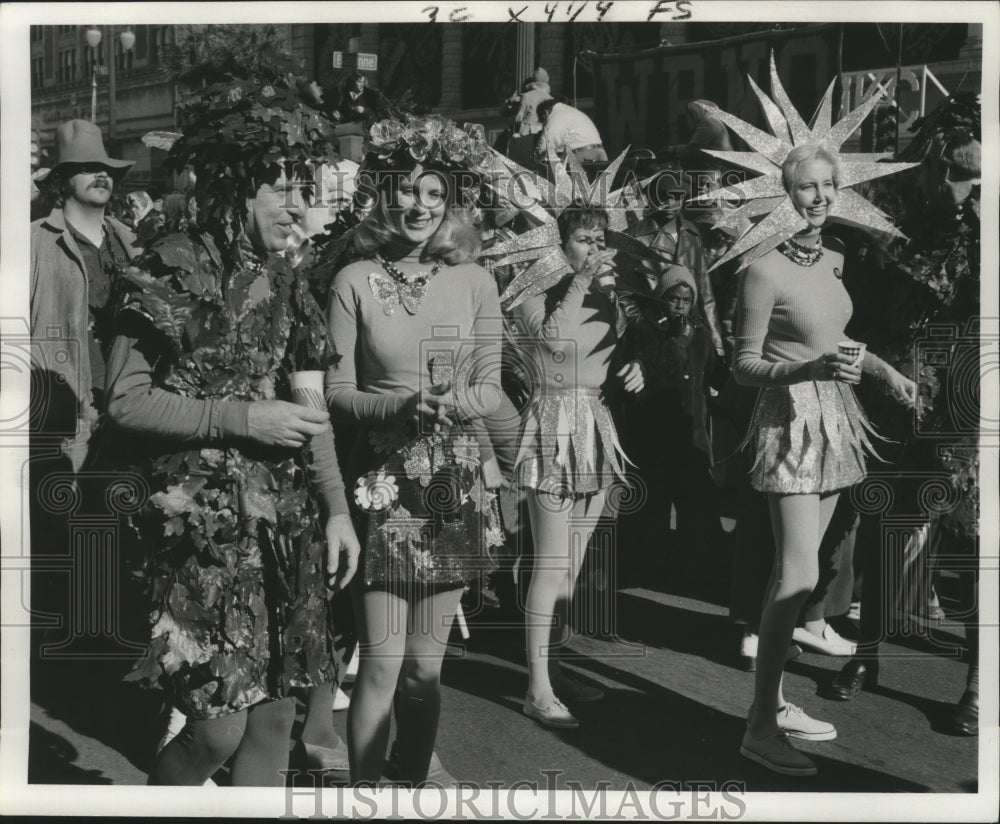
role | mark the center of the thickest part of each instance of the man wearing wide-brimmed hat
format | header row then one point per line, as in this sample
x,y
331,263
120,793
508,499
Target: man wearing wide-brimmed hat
x,y
76,254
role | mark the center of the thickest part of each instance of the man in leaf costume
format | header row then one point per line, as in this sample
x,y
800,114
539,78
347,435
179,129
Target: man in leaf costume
x,y
216,321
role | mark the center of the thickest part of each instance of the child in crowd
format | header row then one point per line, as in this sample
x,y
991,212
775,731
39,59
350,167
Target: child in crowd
x,y
676,241
667,423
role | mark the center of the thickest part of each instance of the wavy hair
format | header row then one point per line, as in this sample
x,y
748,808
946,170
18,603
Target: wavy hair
x,y
456,240
801,154
580,215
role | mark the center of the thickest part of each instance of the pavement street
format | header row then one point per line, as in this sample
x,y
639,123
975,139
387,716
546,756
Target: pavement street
x,y
675,709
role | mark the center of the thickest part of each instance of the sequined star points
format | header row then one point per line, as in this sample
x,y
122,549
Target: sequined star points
x,y
764,198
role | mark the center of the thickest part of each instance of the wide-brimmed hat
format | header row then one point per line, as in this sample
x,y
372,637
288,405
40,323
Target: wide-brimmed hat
x,y
80,141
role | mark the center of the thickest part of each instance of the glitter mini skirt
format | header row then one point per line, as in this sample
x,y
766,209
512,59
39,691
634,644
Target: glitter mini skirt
x,y
569,446
808,438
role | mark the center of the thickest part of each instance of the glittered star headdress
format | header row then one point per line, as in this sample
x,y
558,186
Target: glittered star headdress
x,y
541,201
764,199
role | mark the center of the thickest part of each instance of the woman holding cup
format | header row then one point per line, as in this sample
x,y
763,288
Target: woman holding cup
x,y
416,326
809,431
570,454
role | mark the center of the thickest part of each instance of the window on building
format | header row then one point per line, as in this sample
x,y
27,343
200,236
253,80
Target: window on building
x,y
36,34
488,64
37,71
160,39
93,56
64,29
67,65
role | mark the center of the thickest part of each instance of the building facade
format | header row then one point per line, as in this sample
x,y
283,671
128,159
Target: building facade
x,y
462,70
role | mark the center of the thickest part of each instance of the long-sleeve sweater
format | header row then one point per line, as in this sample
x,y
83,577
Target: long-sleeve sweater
x,y
786,316
383,359
574,342
136,404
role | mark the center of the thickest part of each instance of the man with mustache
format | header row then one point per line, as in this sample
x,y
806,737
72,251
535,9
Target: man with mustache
x,y
77,255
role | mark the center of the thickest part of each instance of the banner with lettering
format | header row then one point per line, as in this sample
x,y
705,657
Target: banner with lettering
x,y
640,98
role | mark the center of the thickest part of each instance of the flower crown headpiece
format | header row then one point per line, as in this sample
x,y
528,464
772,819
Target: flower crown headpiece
x,y
432,139
764,199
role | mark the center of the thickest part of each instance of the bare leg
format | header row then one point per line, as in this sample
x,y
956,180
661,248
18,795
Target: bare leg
x,y
263,752
560,531
381,620
429,621
799,522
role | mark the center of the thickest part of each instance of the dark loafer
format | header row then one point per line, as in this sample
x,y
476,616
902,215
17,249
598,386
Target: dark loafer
x,y
856,676
964,718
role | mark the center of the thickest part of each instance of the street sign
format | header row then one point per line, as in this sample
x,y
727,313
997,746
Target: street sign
x,y
366,62
362,61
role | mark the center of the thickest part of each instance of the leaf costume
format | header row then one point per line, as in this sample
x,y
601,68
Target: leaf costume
x,y
240,613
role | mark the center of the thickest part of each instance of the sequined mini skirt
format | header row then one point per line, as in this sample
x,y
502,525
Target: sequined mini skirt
x,y
423,513
569,445
809,438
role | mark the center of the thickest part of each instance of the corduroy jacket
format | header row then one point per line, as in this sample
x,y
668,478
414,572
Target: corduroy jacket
x,y
63,403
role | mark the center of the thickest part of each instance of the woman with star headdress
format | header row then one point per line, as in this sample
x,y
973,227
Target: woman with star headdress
x,y
809,432
570,455
416,326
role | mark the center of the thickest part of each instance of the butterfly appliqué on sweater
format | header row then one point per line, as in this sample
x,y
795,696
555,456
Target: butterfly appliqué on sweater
x,y
390,294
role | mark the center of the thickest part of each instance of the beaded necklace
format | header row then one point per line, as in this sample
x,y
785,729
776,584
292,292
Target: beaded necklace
x,y
421,278
802,255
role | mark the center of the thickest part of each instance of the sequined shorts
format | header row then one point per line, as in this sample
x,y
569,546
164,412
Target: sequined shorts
x,y
809,438
569,445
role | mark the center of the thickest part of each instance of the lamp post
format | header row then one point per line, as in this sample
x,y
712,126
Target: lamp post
x,y
93,36
127,40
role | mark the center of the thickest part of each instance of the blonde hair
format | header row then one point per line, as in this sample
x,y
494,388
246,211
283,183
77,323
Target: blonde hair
x,y
455,241
801,154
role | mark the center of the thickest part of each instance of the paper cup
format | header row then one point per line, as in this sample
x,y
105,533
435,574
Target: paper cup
x,y
854,349
606,280
307,388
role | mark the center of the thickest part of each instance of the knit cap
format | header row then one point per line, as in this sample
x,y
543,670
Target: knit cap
x,y
679,274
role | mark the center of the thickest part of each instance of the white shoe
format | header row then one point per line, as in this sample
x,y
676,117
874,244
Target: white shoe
x,y
554,714
341,700
830,643
793,721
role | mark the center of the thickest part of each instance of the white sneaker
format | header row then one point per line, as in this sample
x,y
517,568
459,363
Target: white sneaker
x,y
793,721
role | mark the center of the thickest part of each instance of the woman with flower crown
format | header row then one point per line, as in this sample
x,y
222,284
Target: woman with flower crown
x,y
416,327
809,433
